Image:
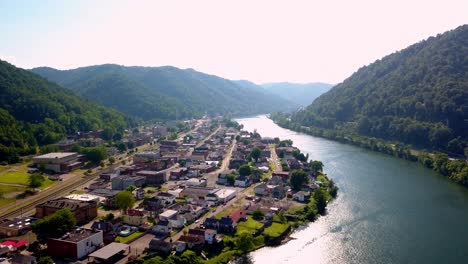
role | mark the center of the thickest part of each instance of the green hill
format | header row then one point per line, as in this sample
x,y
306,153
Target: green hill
x,y
299,93
164,92
418,96
34,112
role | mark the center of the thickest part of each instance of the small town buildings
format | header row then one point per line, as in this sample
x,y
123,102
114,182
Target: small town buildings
x,y
222,179
261,189
123,182
139,193
301,196
22,259
242,181
238,215
160,246
195,182
225,195
154,205
210,236
162,228
167,214
153,178
111,253
84,211
226,225
178,173
107,228
108,195
107,176
192,242
134,217
16,226
166,197
75,245
197,192
85,197
58,162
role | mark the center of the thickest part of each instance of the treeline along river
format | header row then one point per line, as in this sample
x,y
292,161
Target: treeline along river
x,y
388,210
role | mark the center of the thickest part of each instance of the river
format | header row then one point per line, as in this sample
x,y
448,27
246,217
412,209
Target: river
x,y
388,210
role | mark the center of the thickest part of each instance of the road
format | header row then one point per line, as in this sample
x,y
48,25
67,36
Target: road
x,y
213,176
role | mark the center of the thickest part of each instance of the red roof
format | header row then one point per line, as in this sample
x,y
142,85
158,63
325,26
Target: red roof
x,y
15,243
133,212
237,215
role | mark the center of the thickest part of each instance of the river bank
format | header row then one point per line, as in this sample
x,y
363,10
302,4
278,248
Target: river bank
x,y
454,169
388,210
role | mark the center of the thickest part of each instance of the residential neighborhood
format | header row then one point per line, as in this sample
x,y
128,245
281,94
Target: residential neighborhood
x,y
193,192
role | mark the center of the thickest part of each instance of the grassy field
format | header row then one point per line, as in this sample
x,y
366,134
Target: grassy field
x,y
14,177
10,188
275,230
120,239
250,226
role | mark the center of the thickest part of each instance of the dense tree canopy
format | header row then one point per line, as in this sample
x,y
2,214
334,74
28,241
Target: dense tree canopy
x,y
418,96
298,178
55,225
124,200
35,112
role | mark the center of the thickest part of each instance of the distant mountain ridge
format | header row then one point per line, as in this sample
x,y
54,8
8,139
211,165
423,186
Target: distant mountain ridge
x,y
164,92
418,96
300,93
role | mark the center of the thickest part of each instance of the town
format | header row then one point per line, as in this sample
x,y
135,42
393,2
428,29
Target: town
x,y
202,189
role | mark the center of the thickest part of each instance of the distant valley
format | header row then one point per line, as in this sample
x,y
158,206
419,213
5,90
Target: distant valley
x,y
299,93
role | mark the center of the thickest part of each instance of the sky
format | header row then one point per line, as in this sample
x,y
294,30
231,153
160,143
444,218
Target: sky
x,y
260,41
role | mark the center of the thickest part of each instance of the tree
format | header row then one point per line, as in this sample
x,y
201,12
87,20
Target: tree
x,y
298,178
111,160
255,154
131,188
258,215
109,217
46,260
244,170
244,242
35,180
231,178
124,200
55,225
102,164
316,166
96,154
321,200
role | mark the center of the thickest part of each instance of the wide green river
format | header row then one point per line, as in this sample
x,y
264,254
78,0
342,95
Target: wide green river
x,y
388,210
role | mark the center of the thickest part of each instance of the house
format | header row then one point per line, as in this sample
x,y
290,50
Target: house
x,y
166,197
197,232
75,245
160,132
301,196
134,217
238,215
261,189
59,162
193,242
139,193
167,214
16,226
194,182
160,246
108,195
210,236
211,223
226,225
178,173
222,179
284,175
111,253
162,228
107,176
123,182
278,191
175,220
153,204
180,246
22,259
107,229
242,181
84,211
153,178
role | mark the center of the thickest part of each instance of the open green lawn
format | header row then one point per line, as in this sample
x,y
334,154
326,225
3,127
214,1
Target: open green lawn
x,y
250,226
16,177
6,201
275,230
322,179
120,239
5,189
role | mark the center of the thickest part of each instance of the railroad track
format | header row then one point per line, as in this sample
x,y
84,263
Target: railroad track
x,y
54,194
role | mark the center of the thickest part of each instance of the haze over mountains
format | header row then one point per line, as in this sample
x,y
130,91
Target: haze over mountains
x,y
299,93
418,96
165,92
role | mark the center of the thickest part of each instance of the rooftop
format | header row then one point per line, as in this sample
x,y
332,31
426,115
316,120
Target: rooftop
x,y
109,251
56,155
224,193
78,235
66,203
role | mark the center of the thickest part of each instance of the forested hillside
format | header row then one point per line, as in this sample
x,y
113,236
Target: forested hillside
x,y
418,96
164,92
299,93
34,112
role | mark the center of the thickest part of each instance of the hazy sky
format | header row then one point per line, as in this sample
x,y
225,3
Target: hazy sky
x,y
261,41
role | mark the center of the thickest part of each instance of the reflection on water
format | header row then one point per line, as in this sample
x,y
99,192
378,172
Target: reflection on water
x,y
388,210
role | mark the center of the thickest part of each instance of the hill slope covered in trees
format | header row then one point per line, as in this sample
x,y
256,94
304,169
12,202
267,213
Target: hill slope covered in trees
x,y
34,112
418,96
299,93
164,92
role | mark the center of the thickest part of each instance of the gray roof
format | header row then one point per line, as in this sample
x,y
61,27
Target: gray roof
x,y
109,250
